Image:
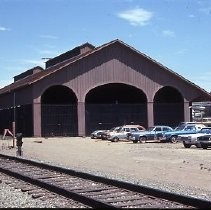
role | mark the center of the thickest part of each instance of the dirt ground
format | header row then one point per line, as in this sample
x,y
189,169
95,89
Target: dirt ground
x,y
172,165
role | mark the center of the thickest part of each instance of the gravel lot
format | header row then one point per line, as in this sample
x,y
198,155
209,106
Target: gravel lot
x,y
164,166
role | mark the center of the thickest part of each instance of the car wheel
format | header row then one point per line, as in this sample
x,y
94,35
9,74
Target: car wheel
x,y
92,137
135,141
115,139
103,137
160,139
128,136
142,139
173,139
204,147
186,145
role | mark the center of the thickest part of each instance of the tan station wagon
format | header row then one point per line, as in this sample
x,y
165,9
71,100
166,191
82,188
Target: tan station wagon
x,y
123,132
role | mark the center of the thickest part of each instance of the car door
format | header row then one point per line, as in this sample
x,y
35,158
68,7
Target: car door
x,y
123,133
163,131
153,134
132,130
158,132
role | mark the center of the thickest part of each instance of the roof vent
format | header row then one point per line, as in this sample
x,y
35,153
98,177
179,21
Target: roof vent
x,y
70,54
27,73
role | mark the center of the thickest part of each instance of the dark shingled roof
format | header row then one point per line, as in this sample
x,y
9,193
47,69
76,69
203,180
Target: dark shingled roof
x,y
31,79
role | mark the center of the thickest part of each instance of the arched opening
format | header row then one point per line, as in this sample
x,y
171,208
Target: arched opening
x,y
59,112
115,104
168,107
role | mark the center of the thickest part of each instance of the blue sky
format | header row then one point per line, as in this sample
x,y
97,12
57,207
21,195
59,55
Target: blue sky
x,y
176,33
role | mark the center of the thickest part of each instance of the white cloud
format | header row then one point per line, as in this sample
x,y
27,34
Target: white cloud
x,y
168,33
3,28
48,36
137,16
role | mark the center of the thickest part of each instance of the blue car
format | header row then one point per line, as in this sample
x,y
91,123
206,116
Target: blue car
x,y
152,133
180,130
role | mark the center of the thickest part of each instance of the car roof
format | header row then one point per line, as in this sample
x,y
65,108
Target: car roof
x,y
129,126
190,123
160,126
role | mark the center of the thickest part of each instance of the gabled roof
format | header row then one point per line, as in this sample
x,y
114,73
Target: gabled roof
x,y
31,79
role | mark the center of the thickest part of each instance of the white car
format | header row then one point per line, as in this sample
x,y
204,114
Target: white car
x,y
97,134
191,139
123,132
112,131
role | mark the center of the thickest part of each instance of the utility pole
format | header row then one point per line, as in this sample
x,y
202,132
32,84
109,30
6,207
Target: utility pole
x,y
14,121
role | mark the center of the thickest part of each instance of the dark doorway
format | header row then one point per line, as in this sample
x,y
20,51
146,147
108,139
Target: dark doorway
x,y
168,107
59,112
113,105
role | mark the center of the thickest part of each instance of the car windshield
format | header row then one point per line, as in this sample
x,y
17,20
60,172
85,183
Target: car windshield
x,y
113,129
150,128
119,129
179,128
181,124
205,130
190,128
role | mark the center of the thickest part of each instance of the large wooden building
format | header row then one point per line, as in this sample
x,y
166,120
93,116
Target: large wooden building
x,y
89,88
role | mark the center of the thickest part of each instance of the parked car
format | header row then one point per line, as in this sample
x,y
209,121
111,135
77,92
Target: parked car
x,y
97,134
192,139
123,131
140,128
104,135
152,133
205,141
183,129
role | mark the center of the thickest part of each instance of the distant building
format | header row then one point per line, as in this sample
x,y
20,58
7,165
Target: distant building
x,y
201,111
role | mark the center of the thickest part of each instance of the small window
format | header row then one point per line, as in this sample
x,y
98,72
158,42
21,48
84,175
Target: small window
x,y
188,128
158,129
127,129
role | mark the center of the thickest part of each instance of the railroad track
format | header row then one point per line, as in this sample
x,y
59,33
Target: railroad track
x,y
94,191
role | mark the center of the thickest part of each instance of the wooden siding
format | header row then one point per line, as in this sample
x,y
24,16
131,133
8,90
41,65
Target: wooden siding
x,y
116,64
